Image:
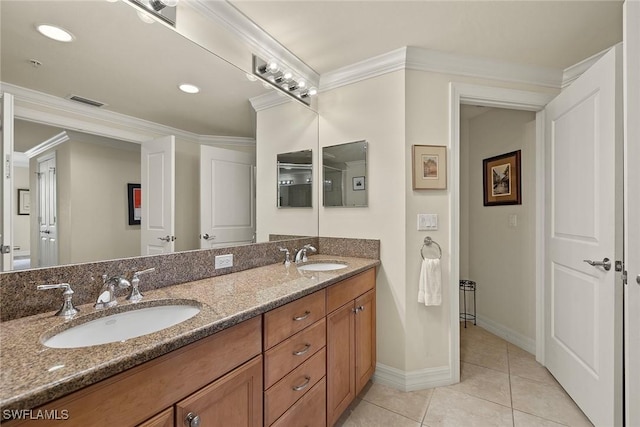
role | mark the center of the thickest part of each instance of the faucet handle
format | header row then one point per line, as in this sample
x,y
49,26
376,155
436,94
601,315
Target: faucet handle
x,y
135,295
67,309
287,255
137,274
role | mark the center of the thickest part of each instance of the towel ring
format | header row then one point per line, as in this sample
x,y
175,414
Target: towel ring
x,y
428,241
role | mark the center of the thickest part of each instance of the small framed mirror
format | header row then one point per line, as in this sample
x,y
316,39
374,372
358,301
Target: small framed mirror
x,y
344,168
295,174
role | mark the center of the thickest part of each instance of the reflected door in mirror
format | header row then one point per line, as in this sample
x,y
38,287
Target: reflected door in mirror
x,y
344,168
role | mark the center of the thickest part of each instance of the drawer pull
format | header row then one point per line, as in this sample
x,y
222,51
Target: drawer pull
x,y
304,316
304,385
301,352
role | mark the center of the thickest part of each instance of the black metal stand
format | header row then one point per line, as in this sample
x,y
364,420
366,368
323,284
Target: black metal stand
x,y
468,286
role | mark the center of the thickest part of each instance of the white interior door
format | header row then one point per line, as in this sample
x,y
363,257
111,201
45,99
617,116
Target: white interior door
x,y
227,197
47,212
583,303
6,213
157,184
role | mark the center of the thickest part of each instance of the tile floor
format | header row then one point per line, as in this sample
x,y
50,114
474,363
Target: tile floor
x,y
501,385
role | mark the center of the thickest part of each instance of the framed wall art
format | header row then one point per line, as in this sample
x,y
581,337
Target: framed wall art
x,y
501,180
358,183
429,167
135,203
24,201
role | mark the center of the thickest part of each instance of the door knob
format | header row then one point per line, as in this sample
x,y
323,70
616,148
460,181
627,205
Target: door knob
x,y
605,263
192,420
166,239
207,237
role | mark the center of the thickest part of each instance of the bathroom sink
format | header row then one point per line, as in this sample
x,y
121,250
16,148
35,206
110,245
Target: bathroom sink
x,y
122,326
322,266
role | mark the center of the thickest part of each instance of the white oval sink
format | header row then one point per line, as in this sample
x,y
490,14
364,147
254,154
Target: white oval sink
x,y
122,326
322,266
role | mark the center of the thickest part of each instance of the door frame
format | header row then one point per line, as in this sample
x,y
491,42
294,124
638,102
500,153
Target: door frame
x,y
488,96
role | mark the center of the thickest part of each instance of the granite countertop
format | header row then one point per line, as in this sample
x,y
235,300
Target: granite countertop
x,y
32,374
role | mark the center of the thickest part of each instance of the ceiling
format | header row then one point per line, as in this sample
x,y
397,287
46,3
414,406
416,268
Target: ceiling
x,y
327,35
133,67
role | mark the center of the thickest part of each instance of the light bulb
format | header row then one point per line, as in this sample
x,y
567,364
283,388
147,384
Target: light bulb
x,y
287,75
313,91
302,84
272,66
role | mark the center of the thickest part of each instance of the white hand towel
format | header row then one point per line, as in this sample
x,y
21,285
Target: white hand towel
x,y
430,284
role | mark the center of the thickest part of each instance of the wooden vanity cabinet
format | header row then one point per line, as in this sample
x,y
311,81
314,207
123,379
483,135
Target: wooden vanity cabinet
x,y
163,419
133,396
295,360
351,340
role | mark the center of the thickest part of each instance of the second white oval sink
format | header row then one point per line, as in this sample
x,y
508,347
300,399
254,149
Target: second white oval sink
x,y
122,326
322,266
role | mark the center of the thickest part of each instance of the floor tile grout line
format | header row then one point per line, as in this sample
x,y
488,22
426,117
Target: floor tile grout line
x,y
392,411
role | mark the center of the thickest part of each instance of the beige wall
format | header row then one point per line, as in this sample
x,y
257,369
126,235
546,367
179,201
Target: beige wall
x,y
98,213
374,110
282,129
501,257
187,187
393,112
21,232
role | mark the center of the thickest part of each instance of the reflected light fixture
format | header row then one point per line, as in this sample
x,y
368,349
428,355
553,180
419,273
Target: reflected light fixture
x,y
271,73
189,88
55,33
165,10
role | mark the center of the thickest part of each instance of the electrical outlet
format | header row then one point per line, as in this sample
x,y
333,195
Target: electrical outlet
x,y
224,261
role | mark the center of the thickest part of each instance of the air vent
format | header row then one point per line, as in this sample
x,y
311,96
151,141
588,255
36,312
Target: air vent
x,y
87,101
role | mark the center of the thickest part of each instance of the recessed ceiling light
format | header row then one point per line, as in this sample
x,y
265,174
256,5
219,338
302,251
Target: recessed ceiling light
x,y
189,88
55,32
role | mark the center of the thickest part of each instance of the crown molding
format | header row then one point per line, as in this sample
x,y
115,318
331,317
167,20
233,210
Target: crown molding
x,y
367,69
573,72
51,110
261,42
47,145
268,100
419,59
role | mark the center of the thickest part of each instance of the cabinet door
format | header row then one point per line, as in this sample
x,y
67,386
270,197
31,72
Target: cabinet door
x,y
341,387
163,419
233,400
365,319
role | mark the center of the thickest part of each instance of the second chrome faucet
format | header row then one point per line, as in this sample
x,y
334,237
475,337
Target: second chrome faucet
x,y
107,297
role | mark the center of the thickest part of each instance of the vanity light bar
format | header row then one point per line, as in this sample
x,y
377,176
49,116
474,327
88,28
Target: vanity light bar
x,y
283,80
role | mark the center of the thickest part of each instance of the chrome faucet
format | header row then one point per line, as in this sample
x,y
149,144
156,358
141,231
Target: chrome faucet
x,y
107,296
134,294
67,309
301,255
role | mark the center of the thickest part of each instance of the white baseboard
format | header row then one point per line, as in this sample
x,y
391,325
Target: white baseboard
x,y
515,338
414,380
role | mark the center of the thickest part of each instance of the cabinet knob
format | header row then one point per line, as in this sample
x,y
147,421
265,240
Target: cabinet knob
x,y
192,420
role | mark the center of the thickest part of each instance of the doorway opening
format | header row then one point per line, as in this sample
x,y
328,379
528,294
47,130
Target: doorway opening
x,y
497,241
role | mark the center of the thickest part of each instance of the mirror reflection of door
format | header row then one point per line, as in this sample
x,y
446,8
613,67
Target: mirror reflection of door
x,y
47,211
157,225
227,197
6,149
344,169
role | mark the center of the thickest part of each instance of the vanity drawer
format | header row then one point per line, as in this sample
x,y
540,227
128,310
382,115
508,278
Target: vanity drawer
x,y
281,323
293,386
350,289
310,411
290,353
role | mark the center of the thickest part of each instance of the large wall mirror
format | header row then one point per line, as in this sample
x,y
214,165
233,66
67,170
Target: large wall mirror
x,y
134,69
295,179
344,169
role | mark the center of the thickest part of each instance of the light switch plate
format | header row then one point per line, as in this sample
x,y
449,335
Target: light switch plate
x,y
427,222
224,261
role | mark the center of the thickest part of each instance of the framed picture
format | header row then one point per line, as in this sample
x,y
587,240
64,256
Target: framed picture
x,y
429,167
501,180
358,183
24,201
135,203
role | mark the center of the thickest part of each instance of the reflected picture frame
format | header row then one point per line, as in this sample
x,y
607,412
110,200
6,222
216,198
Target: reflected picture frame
x,y
134,195
429,167
501,179
24,201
